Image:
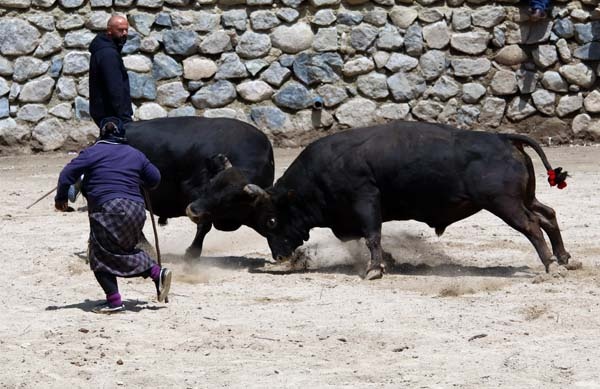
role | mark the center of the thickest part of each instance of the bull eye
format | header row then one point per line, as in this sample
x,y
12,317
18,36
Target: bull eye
x,y
272,223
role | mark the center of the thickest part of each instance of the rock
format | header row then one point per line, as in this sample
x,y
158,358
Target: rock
x,y
172,94
165,67
511,55
389,38
6,67
569,104
180,42
198,68
49,135
433,64
236,18
413,40
436,35
79,39
356,112
42,21
71,3
142,22
392,111
553,81
519,109
76,62
97,21
401,63
230,67
4,109
403,17
225,113
292,39
293,95
581,123
579,74
17,37
461,19
51,43
216,42
37,91
214,95
32,112
254,91
466,67
363,36
255,66
427,110
472,92
489,16
276,74
444,88
591,102
142,86
317,68
66,88
253,45
82,108
70,22
288,15
4,88
137,63
332,95
62,111
323,17
373,85
357,66
29,67
504,83
405,87
544,101
544,56
149,111
264,20
470,42
588,52
326,39
12,134
182,111
492,111
269,118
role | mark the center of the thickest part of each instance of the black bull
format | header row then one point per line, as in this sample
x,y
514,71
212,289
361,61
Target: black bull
x,y
355,180
208,164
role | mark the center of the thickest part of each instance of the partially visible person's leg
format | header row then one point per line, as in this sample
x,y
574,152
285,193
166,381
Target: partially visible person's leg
x,y
161,278
109,284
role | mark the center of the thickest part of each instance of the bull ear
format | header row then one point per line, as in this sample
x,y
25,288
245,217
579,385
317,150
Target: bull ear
x,y
218,163
255,191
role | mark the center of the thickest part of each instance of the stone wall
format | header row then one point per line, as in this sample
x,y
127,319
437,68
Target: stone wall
x,y
474,64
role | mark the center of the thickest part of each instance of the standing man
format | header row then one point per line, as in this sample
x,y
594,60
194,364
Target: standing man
x,y
109,82
114,173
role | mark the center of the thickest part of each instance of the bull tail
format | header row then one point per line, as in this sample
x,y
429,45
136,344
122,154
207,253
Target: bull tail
x,y
556,177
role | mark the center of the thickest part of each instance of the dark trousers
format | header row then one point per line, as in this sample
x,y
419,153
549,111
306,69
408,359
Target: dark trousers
x,y
108,281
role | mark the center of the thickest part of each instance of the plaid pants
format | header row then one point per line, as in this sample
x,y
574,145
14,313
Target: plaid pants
x,y
115,230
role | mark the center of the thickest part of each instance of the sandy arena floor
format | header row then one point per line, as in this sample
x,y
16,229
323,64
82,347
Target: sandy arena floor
x,y
472,309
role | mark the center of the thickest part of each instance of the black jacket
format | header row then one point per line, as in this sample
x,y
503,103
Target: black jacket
x,y
109,82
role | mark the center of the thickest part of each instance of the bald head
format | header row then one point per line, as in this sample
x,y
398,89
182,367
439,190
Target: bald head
x,y
117,27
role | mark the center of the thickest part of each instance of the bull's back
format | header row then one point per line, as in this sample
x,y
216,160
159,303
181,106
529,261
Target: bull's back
x,y
417,168
184,143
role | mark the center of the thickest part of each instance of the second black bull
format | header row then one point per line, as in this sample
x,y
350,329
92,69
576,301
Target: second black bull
x,y
355,180
209,167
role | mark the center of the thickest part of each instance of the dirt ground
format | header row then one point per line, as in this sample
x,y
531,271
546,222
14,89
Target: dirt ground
x,y
471,309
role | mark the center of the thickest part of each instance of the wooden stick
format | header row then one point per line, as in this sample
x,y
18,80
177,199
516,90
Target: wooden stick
x,y
41,198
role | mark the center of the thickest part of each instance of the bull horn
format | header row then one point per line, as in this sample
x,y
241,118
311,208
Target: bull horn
x,y
226,163
255,190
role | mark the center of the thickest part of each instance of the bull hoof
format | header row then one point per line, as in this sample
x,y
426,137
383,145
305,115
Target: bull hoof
x,y
564,258
375,273
192,253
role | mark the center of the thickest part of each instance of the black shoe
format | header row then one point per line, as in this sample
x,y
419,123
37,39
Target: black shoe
x,y
163,284
106,308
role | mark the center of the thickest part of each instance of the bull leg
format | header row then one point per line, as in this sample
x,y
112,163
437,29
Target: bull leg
x,y
549,224
195,248
368,212
376,267
526,222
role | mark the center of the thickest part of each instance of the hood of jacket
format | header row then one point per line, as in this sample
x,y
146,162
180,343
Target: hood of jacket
x,y
102,41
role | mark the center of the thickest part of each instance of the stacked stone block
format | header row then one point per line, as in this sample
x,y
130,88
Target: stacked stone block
x,y
473,64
